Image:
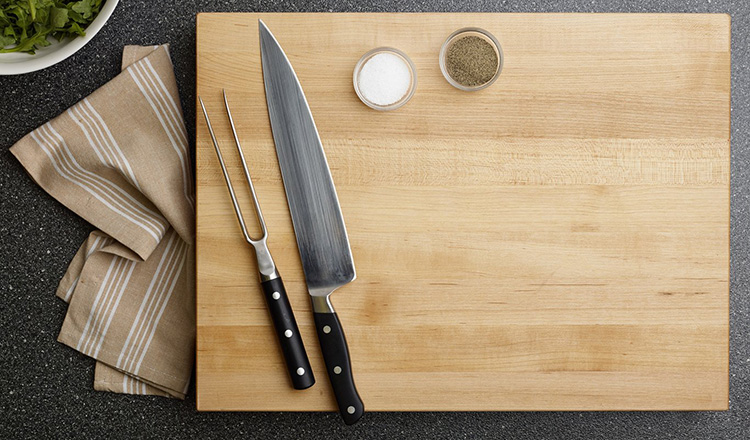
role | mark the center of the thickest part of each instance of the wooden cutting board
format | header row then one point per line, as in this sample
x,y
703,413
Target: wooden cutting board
x,y
558,241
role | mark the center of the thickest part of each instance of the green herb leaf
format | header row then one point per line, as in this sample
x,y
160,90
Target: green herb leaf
x,y
84,7
5,41
32,9
58,17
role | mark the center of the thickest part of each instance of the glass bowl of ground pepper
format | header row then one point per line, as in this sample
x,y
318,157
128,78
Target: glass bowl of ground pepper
x,y
471,59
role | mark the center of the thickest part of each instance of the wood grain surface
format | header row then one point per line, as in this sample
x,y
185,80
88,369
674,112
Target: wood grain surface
x,y
558,241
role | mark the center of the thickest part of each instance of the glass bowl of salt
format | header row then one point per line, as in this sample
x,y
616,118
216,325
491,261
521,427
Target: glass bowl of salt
x,y
385,78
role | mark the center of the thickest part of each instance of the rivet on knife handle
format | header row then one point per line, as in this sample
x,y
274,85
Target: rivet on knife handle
x,y
279,307
336,357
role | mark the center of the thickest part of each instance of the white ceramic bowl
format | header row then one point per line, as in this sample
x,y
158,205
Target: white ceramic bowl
x,y
17,63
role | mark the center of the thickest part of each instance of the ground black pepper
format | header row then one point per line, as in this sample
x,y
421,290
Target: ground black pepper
x,y
471,61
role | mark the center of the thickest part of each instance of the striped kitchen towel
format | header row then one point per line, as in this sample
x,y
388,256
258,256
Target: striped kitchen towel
x,y
120,159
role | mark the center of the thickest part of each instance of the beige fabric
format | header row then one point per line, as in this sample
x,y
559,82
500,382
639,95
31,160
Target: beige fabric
x,y
120,159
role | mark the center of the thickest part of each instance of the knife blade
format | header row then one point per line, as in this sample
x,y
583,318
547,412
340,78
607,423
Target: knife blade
x,y
316,215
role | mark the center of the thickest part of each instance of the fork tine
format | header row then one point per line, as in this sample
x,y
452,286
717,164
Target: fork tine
x,y
237,209
258,212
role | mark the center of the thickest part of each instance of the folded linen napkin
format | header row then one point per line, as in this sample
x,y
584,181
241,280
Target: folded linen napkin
x,y
120,159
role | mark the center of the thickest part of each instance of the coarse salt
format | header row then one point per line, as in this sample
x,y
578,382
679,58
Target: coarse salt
x,y
384,79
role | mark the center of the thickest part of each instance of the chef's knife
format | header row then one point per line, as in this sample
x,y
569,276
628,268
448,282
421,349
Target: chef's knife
x,y
316,215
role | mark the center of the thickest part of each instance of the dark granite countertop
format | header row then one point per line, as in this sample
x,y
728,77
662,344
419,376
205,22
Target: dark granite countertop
x,y
46,387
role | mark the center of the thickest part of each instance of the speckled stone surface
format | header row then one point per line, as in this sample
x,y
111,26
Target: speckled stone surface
x,y
45,387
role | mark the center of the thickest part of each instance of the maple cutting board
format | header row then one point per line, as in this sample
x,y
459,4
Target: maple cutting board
x,y
558,241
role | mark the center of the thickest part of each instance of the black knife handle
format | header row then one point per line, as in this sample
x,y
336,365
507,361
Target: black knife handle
x,y
288,334
339,367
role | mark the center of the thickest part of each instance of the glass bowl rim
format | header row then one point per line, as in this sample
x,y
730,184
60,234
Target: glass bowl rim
x,y
412,70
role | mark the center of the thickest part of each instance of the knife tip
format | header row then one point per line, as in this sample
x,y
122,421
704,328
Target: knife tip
x,y
265,36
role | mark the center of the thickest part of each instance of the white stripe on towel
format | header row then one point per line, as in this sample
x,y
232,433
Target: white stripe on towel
x,y
103,310
146,313
174,110
166,295
104,285
111,312
103,190
94,247
140,77
101,140
127,198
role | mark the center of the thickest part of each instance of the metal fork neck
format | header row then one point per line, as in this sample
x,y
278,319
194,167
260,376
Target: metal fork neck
x,y
266,266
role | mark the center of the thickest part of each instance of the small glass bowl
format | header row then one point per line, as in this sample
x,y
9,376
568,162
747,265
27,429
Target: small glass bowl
x,y
465,32
412,86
